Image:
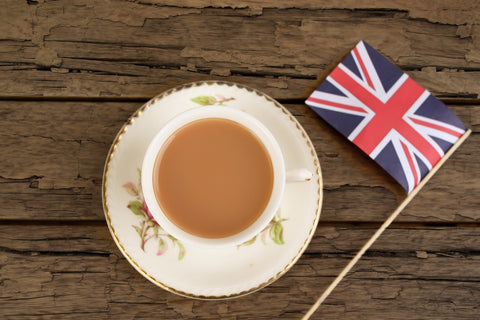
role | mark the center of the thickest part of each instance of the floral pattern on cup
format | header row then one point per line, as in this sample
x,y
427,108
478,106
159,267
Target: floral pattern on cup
x,y
211,100
147,228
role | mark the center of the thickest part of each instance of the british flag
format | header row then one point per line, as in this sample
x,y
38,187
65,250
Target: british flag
x,y
389,116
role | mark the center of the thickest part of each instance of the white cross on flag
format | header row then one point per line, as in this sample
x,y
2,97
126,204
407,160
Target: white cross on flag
x,y
388,115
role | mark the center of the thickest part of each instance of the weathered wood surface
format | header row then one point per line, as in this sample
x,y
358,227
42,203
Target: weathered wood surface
x,y
71,73
54,153
73,272
115,48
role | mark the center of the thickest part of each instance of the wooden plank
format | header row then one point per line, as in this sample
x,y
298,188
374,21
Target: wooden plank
x,y
54,166
371,299
287,299
54,152
75,271
70,238
57,259
441,12
95,49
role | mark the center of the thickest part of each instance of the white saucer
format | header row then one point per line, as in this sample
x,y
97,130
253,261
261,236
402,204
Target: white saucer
x,y
199,272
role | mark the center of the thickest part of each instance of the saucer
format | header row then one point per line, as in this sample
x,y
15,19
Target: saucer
x,y
198,272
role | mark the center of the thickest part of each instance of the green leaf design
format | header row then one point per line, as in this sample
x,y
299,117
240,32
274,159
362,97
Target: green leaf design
x,y
247,243
148,229
136,207
162,247
276,233
156,229
205,100
181,250
139,231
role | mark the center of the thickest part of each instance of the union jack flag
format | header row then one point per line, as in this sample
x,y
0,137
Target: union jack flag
x,y
389,116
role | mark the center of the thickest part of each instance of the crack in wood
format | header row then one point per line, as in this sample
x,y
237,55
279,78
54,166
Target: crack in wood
x,y
55,253
20,180
407,253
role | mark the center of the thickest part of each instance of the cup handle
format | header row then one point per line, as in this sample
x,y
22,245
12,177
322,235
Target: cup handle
x,y
298,175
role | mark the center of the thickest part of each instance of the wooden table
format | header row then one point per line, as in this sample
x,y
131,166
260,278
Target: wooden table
x,y
72,72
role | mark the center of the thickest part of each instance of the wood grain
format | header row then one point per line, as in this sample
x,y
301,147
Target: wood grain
x,y
93,48
73,271
53,166
72,72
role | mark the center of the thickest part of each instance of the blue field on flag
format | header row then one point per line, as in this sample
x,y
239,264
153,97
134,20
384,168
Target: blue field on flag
x,y
388,115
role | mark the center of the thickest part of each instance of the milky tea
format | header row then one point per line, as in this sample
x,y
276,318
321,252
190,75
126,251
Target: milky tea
x,y
213,178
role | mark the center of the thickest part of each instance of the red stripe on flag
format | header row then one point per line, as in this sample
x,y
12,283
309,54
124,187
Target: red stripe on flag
x,y
364,70
388,115
335,104
410,163
437,127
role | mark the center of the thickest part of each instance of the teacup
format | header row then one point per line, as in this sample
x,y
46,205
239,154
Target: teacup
x,y
214,176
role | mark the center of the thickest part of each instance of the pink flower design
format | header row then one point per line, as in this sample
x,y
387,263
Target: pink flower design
x,y
147,211
147,227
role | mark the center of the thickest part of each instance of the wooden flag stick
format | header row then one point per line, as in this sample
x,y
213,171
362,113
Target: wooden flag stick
x,y
385,225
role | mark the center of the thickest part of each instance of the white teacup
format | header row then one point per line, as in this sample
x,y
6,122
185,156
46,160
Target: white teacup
x,y
265,137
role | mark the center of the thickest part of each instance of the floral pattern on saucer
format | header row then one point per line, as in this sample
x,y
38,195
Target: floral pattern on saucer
x,y
217,99
148,229
274,229
197,272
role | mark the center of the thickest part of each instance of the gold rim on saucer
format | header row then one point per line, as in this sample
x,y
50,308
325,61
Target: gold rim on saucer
x,y
137,114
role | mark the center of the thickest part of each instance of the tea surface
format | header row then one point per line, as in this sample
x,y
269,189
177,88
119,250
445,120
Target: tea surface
x,y
213,178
